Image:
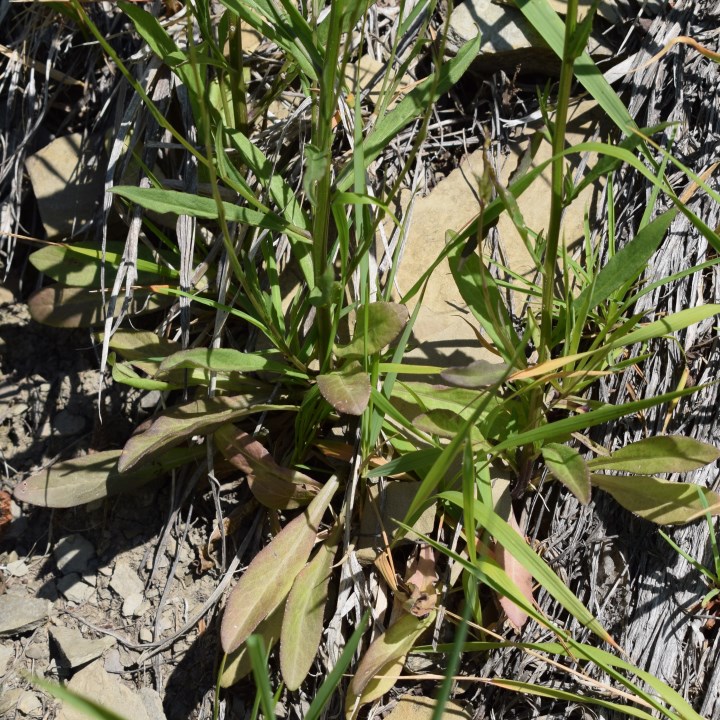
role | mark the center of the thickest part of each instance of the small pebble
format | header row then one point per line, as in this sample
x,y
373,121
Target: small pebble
x,y
146,635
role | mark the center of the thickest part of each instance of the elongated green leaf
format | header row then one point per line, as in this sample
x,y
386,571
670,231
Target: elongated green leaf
x,y
178,203
347,390
269,577
303,621
413,105
274,486
661,501
482,294
178,424
535,565
661,454
226,360
79,264
567,465
141,345
546,21
671,323
69,483
478,374
265,18
237,664
124,373
378,324
562,428
629,262
393,645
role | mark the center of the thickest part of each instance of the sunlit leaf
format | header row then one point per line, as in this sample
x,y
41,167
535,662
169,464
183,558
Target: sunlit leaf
x,y
224,360
478,374
305,607
237,664
384,656
659,454
182,422
75,482
661,501
383,322
269,577
272,485
347,390
567,465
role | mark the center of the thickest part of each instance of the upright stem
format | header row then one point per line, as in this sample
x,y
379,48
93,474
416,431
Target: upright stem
x,y
322,139
558,175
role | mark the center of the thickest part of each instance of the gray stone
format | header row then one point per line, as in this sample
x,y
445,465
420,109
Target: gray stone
x,y
77,650
507,38
18,568
7,655
67,192
93,682
125,581
132,605
29,704
9,700
38,650
74,589
21,613
152,702
73,554
113,664
145,635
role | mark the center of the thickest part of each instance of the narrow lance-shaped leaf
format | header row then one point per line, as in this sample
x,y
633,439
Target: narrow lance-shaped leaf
x,y
661,501
347,390
660,454
272,485
567,465
303,622
386,652
69,483
180,423
224,360
383,321
478,374
237,663
269,577
537,567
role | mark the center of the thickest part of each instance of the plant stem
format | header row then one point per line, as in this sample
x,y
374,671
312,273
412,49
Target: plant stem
x,y
558,175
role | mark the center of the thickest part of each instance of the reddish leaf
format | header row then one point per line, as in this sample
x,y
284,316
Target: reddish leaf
x,y
272,485
347,390
269,577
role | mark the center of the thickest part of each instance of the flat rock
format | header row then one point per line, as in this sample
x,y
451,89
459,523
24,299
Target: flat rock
x,y
74,589
9,700
153,703
94,683
21,613
67,192
7,654
132,605
73,554
441,334
508,39
77,650
125,581
29,704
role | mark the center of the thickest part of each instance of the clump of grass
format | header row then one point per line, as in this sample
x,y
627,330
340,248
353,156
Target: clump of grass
x,y
306,392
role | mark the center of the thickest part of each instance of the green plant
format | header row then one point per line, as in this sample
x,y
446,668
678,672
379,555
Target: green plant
x,y
514,417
